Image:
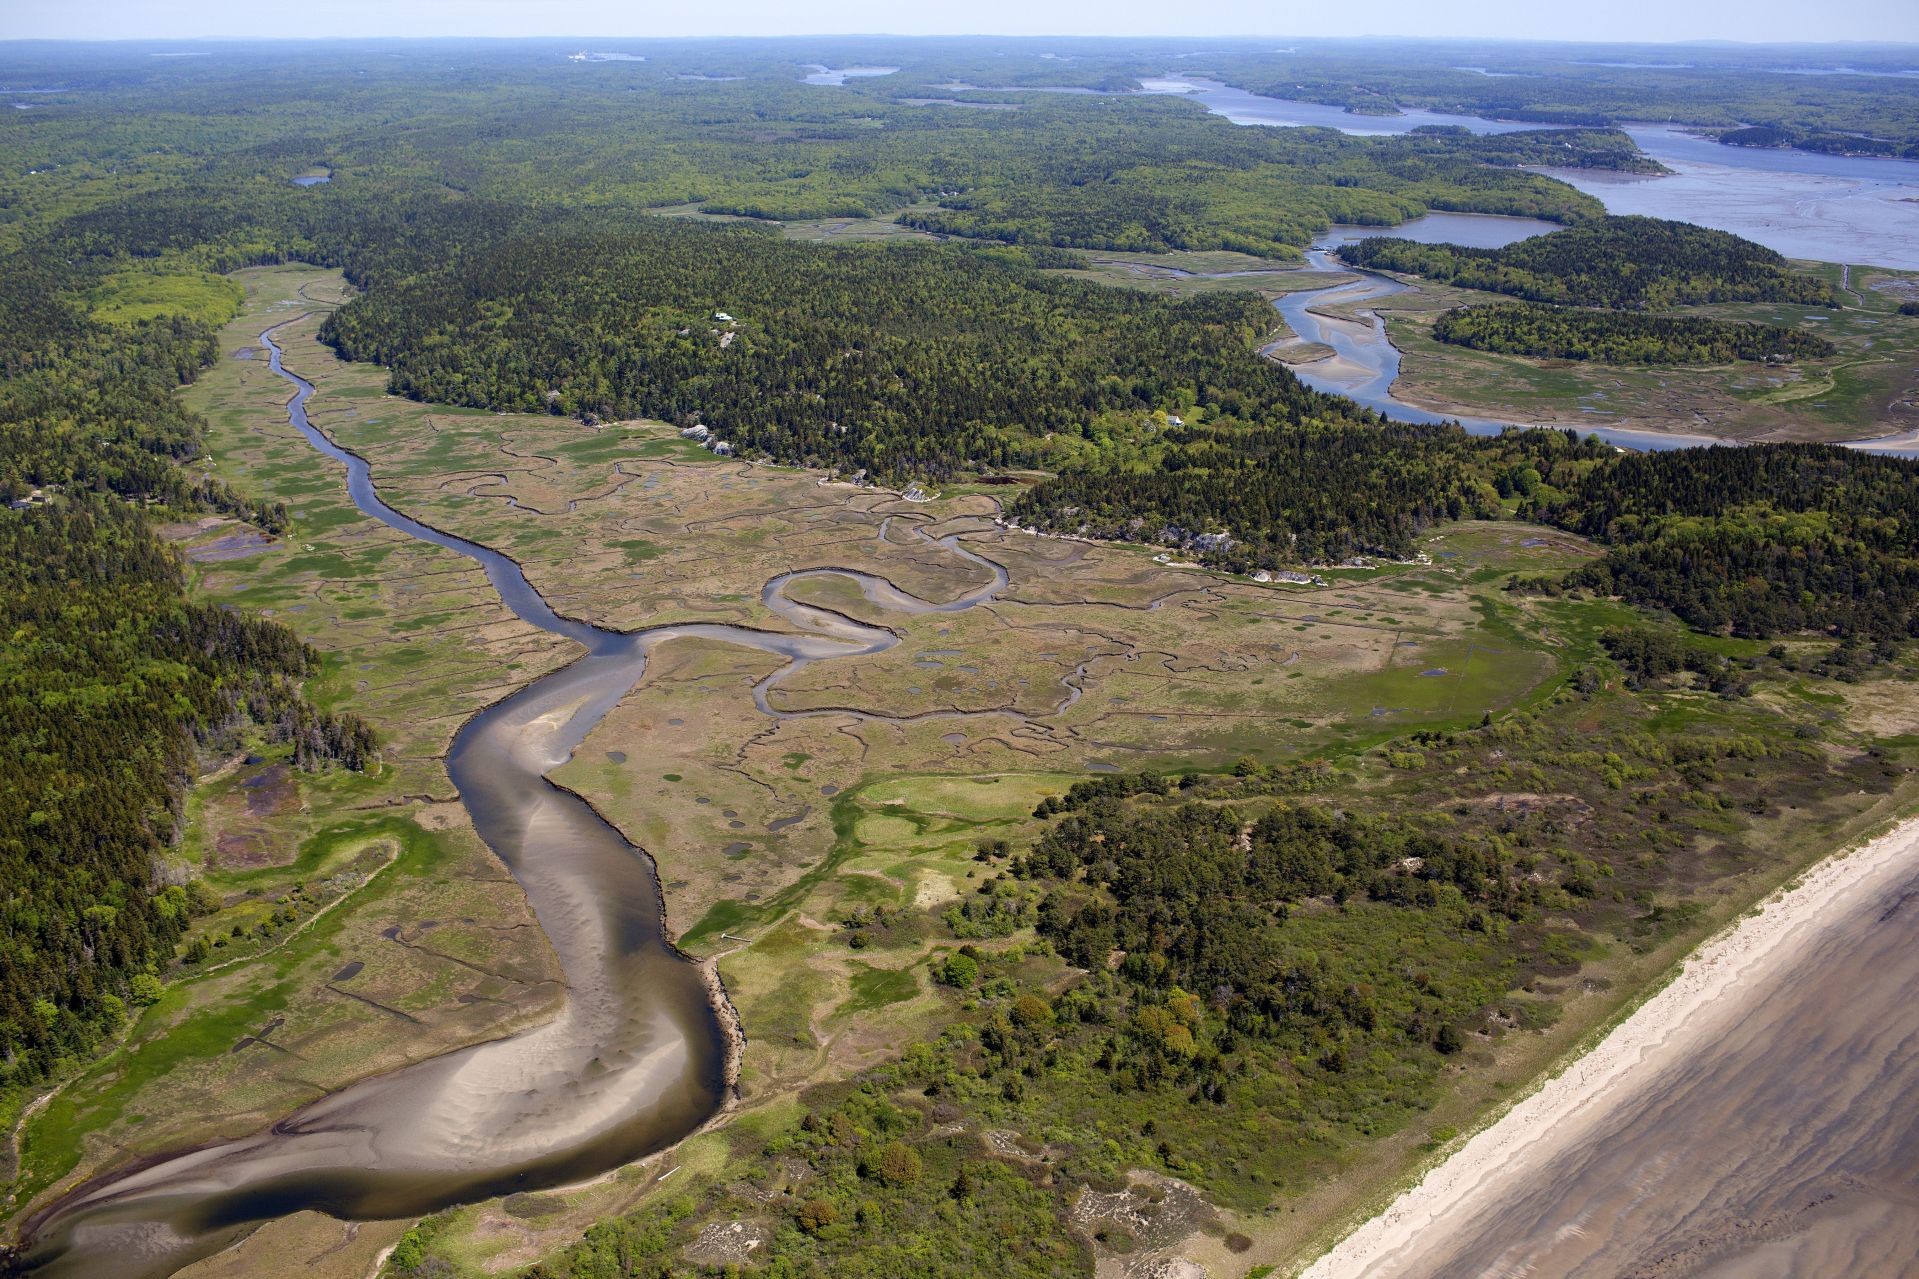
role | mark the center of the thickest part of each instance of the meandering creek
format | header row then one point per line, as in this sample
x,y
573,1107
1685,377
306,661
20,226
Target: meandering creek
x,y
641,1056
1364,363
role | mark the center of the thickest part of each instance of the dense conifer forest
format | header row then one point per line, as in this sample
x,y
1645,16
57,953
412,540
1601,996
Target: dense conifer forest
x,y
1276,496
111,681
114,679
896,362
1626,262
1621,337
1762,541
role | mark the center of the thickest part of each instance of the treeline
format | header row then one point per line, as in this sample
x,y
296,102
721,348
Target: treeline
x,y
1763,540
1139,196
1774,136
1625,262
113,679
1271,496
1620,337
896,362
110,680
1758,541
91,407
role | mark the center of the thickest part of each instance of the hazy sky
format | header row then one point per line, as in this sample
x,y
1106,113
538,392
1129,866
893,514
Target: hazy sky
x,y
1889,20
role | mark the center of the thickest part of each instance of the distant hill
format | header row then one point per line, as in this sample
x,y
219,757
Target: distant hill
x,y
1627,262
1621,337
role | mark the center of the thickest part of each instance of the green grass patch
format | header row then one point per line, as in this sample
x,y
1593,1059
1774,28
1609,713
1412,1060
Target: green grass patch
x,y
135,294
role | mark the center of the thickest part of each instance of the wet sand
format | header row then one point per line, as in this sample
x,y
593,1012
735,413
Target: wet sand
x,y
1752,1120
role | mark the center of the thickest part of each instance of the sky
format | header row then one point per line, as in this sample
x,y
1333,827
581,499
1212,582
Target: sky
x,y
1625,20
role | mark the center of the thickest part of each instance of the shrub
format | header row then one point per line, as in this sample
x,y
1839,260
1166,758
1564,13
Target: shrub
x,y
1031,1010
816,1215
957,970
896,1164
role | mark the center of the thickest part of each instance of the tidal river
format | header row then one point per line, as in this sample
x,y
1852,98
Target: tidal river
x,y
1364,363
644,1052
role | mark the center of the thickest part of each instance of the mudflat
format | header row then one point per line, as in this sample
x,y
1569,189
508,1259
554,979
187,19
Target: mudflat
x,y
1749,1120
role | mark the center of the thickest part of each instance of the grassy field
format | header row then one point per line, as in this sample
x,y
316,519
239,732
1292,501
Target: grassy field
x,y
145,293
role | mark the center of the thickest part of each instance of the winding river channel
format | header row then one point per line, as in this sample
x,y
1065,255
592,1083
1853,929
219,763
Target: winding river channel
x,y
645,1050
1364,363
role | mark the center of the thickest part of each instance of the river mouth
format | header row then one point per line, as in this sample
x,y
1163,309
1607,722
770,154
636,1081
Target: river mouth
x,y
643,1054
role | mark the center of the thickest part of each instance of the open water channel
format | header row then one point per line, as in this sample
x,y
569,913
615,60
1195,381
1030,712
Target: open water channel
x,y
1828,208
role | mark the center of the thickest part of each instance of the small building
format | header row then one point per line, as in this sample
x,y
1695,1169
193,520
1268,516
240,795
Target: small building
x,y
722,317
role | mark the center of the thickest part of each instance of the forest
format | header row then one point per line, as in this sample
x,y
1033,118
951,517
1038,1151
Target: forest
x,y
112,684
1774,137
1764,541
1633,263
115,681
1279,495
894,362
1621,337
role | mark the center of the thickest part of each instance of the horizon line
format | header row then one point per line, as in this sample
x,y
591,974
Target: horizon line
x,y
1682,42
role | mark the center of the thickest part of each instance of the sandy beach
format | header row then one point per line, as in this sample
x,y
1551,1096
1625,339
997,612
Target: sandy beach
x,y
1745,1120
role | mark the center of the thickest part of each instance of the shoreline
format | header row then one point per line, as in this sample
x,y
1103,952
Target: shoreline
x,y
1671,1023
